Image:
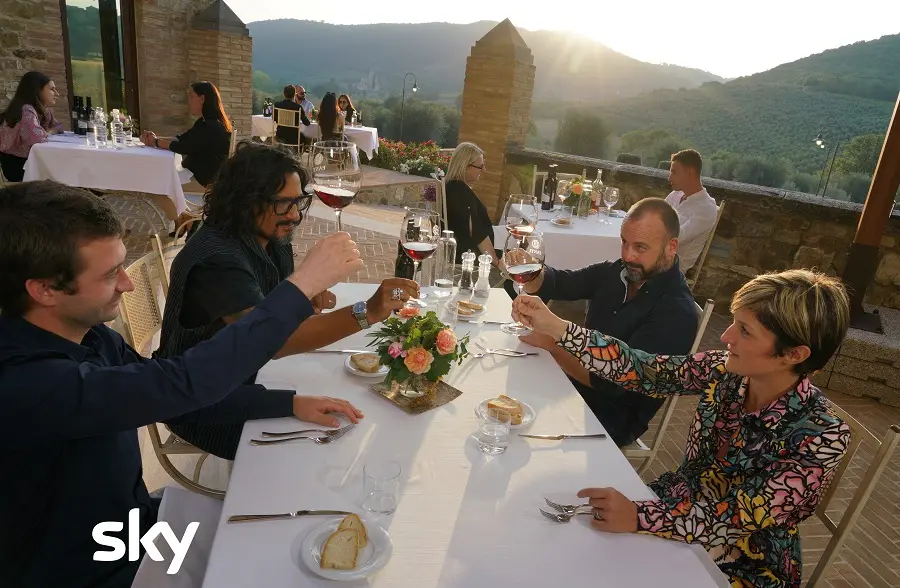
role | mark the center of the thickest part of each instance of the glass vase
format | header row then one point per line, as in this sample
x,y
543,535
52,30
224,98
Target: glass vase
x,y
416,386
584,206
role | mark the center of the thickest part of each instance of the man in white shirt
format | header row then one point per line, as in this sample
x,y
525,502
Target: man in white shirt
x,y
695,207
300,98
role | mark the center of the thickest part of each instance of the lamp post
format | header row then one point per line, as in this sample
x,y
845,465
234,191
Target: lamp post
x,y
415,88
820,143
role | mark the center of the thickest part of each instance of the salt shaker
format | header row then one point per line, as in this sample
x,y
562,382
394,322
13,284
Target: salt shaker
x,y
483,285
466,282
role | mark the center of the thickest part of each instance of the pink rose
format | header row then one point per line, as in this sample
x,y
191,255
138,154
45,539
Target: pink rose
x,y
445,342
395,349
418,360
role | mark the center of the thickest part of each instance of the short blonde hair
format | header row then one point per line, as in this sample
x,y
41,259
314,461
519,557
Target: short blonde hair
x,y
800,307
463,156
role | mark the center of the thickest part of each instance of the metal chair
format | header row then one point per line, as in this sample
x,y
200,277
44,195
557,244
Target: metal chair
x,y
695,274
841,528
639,449
142,318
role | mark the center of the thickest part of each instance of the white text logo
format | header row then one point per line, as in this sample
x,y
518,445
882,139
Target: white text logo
x,y
179,548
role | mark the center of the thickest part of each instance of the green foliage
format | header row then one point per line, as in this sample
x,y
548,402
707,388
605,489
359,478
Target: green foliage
x,y
856,185
666,164
629,158
418,159
654,144
762,171
582,133
84,32
860,156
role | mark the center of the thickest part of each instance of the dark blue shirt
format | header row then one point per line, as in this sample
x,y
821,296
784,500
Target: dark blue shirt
x,y
69,449
661,318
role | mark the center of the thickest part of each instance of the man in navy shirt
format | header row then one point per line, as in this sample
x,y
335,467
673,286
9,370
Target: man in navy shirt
x,y
73,393
642,299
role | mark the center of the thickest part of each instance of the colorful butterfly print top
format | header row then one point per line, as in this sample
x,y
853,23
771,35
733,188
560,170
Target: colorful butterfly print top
x,y
743,503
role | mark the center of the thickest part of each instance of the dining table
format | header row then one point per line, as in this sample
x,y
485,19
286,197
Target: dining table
x,y
68,159
366,138
463,518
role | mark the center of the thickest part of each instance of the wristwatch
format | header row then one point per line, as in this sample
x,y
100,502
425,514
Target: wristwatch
x,y
359,313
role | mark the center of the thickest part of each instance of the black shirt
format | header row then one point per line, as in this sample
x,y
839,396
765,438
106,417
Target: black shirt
x,y
289,135
661,318
468,218
69,445
204,148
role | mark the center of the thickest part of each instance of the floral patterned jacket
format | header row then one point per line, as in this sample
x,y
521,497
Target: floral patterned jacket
x,y
744,508
28,131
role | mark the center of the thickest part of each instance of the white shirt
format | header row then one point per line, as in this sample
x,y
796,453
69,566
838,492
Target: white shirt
x,y
697,215
306,105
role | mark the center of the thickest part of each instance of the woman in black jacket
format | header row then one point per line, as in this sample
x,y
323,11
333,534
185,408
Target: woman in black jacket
x,y
467,216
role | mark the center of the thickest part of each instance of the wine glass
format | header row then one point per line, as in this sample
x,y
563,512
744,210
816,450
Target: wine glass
x,y
419,236
336,174
610,197
523,256
521,214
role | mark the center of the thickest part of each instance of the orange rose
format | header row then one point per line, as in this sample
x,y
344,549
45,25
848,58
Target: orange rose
x,y
418,360
576,189
445,342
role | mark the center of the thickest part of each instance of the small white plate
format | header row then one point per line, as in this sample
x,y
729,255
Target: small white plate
x,y
476,314
382,370
371,558
618,213
558,224
528,413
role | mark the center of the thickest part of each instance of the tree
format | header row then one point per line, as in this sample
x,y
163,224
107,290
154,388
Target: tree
x,y
860,156
582,133
762,171
653,145
856,186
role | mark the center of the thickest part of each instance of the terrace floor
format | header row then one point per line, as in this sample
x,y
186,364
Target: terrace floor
x,y
871,558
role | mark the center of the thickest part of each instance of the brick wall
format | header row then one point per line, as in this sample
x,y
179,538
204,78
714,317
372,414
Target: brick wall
x,y
31,39
225,59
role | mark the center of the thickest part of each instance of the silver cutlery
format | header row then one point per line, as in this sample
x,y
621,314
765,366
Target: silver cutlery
x,y
565,508
326,433
560,437
341,351
503,352
560,517
285,515
318,440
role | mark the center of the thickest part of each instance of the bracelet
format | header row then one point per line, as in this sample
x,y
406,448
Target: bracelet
x,y
156,142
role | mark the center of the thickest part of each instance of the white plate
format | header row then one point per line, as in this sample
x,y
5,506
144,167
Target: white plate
x,y
371,558
618,213
558,224
382,370
476,314
528,413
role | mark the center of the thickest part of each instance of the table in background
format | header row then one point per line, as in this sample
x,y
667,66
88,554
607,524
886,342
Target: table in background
x,y
464,519
366,138
586,241
67,159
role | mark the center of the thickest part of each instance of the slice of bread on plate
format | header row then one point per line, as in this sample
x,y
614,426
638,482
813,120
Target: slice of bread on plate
x,y
353,521
471,305
508,405
341,550
367,362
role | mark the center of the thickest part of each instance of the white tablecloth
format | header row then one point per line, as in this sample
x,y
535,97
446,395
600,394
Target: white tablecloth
x,y
366,138
464,519
69,160
579,245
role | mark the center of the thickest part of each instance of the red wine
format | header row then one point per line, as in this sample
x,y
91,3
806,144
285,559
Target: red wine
x,y
420,251
334,197
519,229
524,273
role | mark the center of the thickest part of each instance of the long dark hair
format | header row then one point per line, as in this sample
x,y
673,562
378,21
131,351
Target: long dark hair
x,y
349,103
212,103
28,92
247,184
328,114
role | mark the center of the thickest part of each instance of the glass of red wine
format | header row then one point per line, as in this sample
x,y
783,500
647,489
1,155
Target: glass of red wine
x,y
419,236
523,256
521,214
336,177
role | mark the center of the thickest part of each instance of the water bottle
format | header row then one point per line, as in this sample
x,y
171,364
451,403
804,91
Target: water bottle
x,y
483,285
353,119
117,130
100,128
443,282
91,129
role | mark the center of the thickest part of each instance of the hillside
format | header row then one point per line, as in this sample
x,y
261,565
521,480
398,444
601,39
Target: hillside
x,y
568,67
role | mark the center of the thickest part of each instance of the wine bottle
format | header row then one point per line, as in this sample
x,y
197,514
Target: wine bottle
x,y
403,266
82,121
75,108
550,185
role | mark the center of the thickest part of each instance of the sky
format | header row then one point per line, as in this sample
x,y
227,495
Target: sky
x,y
724,37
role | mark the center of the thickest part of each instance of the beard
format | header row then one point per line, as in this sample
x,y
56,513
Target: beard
x,y
285,239
635,272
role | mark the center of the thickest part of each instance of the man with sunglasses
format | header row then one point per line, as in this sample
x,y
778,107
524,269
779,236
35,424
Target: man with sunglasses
x,y
239,255
300,98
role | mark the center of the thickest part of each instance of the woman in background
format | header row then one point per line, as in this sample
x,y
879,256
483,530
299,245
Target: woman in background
x,y
331,123
27,120
346,107
467,216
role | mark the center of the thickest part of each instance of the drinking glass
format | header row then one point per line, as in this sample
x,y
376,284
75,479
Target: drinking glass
x,y
493,432
521,214
419,236
610,197
381,485
336,174
564,216
448,312
524,259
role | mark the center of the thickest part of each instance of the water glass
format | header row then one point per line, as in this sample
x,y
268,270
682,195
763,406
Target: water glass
x,y
448,312
610,197
564,216
493,432
381,486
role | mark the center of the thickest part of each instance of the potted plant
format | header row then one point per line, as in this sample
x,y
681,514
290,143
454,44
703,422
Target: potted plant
x,y
418,352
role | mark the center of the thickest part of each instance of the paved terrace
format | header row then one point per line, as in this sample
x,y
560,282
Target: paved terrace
x,y
871,558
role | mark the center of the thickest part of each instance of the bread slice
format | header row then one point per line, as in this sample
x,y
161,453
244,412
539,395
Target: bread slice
x,y
471,305
353,521
341,550
463,311
367,362
509,406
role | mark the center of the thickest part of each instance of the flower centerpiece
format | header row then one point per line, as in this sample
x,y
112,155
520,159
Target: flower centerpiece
x,y
578,197
418,352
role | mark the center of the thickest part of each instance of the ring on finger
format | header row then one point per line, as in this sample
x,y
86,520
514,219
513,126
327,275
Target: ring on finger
x,y
396,294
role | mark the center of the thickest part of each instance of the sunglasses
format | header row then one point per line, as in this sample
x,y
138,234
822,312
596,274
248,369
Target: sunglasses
x,y
283,206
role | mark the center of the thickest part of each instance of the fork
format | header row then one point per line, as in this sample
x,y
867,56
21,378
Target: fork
x,y
565,508
562,517
327,433
318,440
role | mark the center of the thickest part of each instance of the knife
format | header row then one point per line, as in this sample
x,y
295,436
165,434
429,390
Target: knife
x,y
341,351
559,437
286,515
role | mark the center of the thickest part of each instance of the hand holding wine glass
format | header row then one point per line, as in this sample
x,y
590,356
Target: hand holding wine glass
x,y
336,174
419,235
524,259
531,311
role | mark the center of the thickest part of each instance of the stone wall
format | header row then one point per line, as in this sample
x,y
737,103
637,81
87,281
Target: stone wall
x,y
763,229
31,38
225,59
